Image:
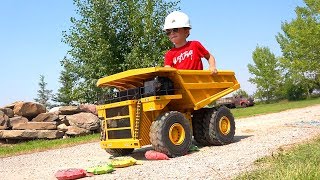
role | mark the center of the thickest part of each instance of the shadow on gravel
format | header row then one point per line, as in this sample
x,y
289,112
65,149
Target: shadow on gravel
x,y
239,138
138,154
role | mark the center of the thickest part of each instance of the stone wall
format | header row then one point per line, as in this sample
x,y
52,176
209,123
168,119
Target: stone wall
x,y
30,120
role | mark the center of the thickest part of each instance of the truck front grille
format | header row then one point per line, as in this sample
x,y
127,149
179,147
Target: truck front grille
x,y
119,134
118,123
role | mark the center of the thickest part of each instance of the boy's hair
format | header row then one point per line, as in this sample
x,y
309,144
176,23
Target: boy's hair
x,y
187,28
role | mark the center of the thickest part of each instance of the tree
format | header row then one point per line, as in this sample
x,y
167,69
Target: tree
x,y
300,44
65,95
111,36
241,92
267,74
44,95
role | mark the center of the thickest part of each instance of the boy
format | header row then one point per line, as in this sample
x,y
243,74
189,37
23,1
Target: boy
x,y
185,54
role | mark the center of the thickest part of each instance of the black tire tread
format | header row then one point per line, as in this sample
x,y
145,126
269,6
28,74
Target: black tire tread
x,y
205,126
215,137
200,127
159,142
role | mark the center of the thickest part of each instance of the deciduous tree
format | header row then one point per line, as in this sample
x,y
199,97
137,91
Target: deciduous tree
x,y
267,74
300,44
111,36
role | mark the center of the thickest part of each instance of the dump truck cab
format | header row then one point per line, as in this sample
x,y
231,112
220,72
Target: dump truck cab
x,y
164,107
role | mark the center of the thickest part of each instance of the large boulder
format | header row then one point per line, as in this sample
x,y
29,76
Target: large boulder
x,y
36,125
76,131
3,120
28,109
62,127
68,110
55,110
8,112
31,134
46,117
90,108
17,120
87,121
11,106
63,120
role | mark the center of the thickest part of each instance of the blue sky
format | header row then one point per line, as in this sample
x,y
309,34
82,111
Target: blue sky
x,y
31,33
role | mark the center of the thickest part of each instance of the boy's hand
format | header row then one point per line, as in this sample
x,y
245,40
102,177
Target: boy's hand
x,y
213,70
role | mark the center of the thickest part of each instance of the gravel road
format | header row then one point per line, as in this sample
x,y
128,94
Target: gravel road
x,y
255,137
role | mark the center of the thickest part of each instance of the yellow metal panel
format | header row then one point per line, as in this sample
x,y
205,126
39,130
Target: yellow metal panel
x,y
101,113
132,114
114,129
218,95
212,85
155,103
203,88
145,129
116,104
129,76
118,117
164,97
120,143
204,72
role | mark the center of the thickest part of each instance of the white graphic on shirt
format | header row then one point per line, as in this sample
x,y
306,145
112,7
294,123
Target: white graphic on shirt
x,y
183,56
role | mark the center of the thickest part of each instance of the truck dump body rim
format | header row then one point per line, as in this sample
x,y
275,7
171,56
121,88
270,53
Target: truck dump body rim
x,y
224,125
177,134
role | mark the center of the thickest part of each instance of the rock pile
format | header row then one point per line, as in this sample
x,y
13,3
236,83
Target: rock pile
x,y
30,120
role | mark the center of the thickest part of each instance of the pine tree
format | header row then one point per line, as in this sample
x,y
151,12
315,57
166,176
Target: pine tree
x,y
44,95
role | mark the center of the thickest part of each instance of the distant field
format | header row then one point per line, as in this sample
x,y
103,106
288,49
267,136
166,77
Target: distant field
x,y
273,108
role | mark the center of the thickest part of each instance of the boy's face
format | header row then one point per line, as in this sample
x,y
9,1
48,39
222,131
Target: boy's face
x,y
178,35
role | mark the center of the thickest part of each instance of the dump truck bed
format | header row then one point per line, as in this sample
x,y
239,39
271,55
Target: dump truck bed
x,y
197,87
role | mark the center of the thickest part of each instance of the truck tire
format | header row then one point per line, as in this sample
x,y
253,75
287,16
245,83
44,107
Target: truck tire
x,y
220,126
200,128
120,152
170,134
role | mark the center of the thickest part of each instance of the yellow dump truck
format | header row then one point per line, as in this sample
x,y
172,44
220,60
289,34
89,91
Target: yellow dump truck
x,y
165,107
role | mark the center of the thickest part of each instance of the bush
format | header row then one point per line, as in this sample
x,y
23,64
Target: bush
x,y
295,92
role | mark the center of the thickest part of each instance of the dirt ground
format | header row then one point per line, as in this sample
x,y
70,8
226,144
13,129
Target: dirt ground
x,y
255,137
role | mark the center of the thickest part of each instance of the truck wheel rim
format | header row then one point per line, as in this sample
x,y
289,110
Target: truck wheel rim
x,y
177,134
224,125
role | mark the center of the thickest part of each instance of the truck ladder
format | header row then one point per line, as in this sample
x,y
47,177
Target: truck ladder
x,y
138,118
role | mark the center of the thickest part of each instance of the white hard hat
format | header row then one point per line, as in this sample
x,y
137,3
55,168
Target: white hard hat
x,y
176,19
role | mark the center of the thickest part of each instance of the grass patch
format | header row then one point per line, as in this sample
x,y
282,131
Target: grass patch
x,y
300,162
41,145
273,108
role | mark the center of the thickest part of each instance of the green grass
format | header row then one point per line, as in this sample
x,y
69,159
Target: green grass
x,y
301,162
273,108
41,145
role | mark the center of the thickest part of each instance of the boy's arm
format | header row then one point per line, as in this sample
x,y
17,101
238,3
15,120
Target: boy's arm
x,y
212,63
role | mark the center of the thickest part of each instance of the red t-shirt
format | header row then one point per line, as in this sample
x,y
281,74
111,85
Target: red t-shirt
x,y
186,57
